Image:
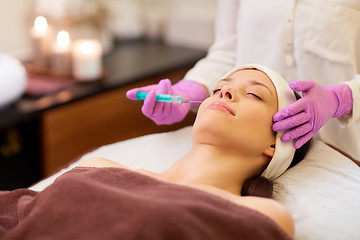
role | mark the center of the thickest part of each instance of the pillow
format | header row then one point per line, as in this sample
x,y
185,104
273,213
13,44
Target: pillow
x,y
322,192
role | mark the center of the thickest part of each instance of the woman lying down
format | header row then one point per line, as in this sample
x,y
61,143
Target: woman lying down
x,y
219,190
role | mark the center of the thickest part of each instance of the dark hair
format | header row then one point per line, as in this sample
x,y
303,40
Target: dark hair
x,y
262,187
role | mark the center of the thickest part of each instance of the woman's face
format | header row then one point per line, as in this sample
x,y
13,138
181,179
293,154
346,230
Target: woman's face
x,y
238,115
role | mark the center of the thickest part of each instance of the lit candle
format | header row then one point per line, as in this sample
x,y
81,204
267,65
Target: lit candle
x,y
41,42
87,59
61,58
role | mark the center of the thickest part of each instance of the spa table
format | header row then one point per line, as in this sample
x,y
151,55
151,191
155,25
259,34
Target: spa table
x,y
39,135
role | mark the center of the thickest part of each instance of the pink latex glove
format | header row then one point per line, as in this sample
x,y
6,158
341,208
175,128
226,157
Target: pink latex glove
x,y
306,116
168,113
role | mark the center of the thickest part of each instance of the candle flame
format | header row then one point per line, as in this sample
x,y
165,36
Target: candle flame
x,y
40,24
86,48
63,39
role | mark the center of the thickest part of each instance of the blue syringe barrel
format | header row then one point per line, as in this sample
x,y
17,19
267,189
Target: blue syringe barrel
x,y
160,97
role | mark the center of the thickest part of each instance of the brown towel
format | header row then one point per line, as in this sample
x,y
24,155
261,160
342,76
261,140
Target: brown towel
x,y
112,203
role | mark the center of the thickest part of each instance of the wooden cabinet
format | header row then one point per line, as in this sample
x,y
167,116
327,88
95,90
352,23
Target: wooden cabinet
x,y
73,129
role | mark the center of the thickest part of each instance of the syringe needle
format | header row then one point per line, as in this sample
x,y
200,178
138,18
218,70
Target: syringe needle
x,y
188,101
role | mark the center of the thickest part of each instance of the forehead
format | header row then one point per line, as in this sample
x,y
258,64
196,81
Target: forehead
x,y
247,74
251,76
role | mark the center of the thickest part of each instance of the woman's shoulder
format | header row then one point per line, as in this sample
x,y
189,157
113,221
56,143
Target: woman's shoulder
x,y
271,208
99,162
266,206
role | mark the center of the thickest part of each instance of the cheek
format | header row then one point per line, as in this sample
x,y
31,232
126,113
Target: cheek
x,y
201,118
263,118
257,121
201,109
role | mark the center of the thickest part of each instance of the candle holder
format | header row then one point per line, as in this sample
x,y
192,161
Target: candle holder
x,y
41,38
87,60
67,64
60,60
57,56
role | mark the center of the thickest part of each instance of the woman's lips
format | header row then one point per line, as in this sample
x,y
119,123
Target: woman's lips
x,y
222,107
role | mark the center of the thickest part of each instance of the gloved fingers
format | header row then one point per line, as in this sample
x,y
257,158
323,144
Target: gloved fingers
x,y
164,87
296,132
291,121
302,85
302,140
161,108
151,108
292,109
162,113
149,103
131,94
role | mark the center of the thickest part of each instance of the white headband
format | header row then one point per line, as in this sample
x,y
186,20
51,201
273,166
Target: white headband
x,y
284,152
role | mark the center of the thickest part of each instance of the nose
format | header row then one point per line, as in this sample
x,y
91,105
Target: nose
x,y
226,92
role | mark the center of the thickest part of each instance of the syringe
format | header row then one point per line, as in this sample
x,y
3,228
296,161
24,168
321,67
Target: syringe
x,y
164,98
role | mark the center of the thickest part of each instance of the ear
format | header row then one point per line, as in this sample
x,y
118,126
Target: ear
x,y
270,150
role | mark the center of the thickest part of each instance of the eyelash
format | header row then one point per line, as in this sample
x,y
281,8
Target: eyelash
x,y
215,90
256,96
218,89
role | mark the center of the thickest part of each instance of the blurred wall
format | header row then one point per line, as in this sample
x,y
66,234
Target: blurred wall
x,y
15,19
190,23
184,22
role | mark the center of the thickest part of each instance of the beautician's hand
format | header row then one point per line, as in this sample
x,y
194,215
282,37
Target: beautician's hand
x,y
168,113
306,116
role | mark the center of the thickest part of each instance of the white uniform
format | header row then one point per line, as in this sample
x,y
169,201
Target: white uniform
x,y
303,39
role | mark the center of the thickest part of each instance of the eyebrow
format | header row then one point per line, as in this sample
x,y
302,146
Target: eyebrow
x,y
252,82
225,79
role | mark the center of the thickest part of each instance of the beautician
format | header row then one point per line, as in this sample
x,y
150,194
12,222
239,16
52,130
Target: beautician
x,y
313,44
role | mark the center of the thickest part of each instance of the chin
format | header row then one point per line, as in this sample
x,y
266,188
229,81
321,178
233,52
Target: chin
x,y
206,130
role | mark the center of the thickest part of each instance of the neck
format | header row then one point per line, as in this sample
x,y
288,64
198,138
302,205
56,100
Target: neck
x,y
212,166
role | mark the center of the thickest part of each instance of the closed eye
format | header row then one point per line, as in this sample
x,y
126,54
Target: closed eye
x,y
215,91
255,96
